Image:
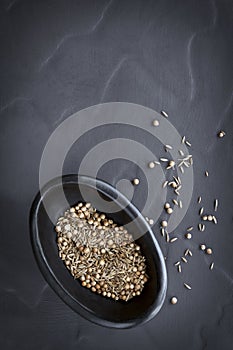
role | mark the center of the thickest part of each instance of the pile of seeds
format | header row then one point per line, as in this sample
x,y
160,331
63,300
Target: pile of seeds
x,y
101,254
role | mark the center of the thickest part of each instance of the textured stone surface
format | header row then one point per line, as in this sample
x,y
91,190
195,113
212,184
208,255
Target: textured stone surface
x,y
58,57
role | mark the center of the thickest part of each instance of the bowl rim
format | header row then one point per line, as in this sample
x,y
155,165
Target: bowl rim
x,y
106,189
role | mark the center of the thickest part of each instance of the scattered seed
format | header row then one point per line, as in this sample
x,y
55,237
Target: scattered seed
x,y
175,202
183,139
184,260
174,300
188,235
210,218
180,204
190,253
186,252
169,211
173,239
162,231
216,205
199,200
182,169
157,162
188,143
212,266
199,227
202,228
215,220
221,133
165,184
189,229
177,263
166,205
187,286
155,122
201,211
165,114
151,221
168,147
209,251
167,237
181,152
179,268
205,217
203,247
163,159
136,182
206,173
164,223
151,165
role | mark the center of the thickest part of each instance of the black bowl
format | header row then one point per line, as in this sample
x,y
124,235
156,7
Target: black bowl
x,y
94,307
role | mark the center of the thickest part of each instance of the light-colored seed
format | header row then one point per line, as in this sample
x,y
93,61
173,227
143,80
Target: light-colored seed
x,y
179,268
157,162
182,169
164,223
199,200
188,235
175,202
190,253
188,143
181,152
165,184
201,211
136,182
162,232
151,165
215,204
166,205
212,266
169,211
221,133
187,286
202,228
210,218
151,221
177,263
209,251
206,173
203,247
215,220
189,229
186,252
184,260
164,113
167,236
199,227
183,139
205,217
163,159
173,239
155,122
171,163
180,204
174,300
168,147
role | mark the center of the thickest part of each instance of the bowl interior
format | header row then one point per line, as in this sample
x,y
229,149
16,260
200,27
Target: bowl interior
x,y
93,306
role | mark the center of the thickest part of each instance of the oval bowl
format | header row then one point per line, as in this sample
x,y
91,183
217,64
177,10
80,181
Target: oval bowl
x,y
95,308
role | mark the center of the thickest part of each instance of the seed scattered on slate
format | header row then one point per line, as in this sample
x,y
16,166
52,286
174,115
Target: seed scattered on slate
x,y
201,211
177,263
215,220
151,221
187,286
136,182
221,133
184,260
189,229
169,211
215,204
164,223
199,199
165,114
210,218
179,268
173,239
155,122
205,217
166,205
206,173
212,266
151,165
188,235
209,251
203,247
174,300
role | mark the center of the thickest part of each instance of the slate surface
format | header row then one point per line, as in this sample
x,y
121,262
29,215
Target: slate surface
x,y
58,57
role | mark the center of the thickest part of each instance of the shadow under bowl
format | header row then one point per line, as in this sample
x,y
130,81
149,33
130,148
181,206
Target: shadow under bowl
x,y
94,307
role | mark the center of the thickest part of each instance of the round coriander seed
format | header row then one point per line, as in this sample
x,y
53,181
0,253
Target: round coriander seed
x,y
136,182
174,300
166,205
221,133
209,251
164,223
203,247
172,163
155,122
151,165
210,217
169,211
188,235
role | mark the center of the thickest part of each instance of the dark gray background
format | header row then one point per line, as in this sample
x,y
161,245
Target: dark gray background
x,y
58,57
